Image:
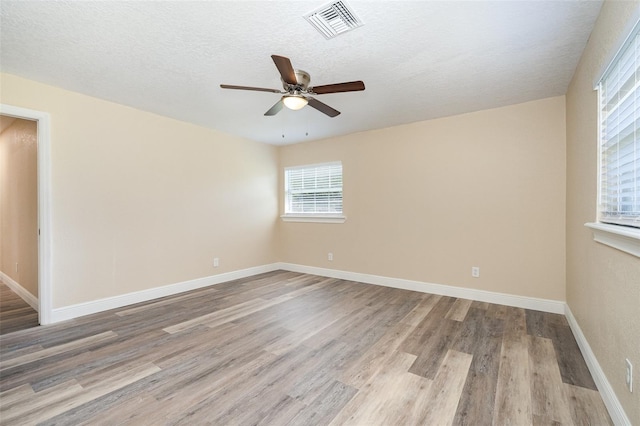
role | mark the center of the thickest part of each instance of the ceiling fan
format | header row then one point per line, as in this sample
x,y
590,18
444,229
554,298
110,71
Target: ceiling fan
x,y
297,90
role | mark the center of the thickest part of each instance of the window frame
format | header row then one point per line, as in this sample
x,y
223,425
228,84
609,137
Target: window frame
x,y
317,217
617,235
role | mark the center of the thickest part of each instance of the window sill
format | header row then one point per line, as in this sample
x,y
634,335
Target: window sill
x,y
619,237
316,218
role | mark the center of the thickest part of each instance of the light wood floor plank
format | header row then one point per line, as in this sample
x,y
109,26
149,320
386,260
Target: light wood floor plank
x,y
423,308
317,374
46,373
5,364
320,322
364,408
135,410
481,337
69,397
513,391
171,300
459,310
16,394
586,406
480,305
248,306
376,357
326,406
440,340
422,333
43,404
279,373
446,389
547,393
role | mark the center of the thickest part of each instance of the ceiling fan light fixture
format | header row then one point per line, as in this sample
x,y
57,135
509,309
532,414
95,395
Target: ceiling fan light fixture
x,y
294,102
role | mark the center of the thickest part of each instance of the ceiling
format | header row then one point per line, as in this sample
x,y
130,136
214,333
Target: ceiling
x,y
419,60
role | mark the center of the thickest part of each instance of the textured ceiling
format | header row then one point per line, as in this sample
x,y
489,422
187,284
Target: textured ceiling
x,y
419,59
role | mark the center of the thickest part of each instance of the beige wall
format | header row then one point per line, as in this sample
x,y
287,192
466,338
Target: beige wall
x,y
603,284
19,203
140,200
429,200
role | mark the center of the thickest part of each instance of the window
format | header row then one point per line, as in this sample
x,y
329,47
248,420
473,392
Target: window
x,y
313,193
619,148
619,97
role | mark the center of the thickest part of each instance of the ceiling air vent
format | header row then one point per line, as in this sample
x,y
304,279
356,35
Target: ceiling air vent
x,y
333,18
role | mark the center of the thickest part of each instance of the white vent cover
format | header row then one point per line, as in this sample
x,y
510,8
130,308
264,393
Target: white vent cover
x,y
333,18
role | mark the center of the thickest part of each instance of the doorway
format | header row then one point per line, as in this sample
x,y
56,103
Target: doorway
x,y
30,260
18,224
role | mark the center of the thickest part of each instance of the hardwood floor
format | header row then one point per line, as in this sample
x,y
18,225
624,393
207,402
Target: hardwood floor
x,y
292,349
15,313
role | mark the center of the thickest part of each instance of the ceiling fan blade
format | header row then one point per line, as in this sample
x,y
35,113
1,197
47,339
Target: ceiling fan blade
x,y
322,107
286,69
256,89
275,109
352,86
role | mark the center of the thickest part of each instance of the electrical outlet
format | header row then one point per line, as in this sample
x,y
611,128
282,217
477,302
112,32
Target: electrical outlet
x,y
475,271
330,257
216,262
629,375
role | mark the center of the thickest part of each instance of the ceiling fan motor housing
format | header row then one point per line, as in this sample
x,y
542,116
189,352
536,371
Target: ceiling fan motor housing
x,y
303,78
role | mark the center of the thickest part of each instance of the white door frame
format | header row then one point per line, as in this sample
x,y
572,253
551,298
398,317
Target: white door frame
x,y
45,283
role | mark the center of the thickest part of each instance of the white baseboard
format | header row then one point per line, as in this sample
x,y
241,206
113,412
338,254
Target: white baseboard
x,y
545,305
87,308
609,397
95,306
20,291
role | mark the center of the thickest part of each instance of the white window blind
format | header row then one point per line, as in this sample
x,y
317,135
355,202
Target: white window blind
x,y
619,95
313,189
